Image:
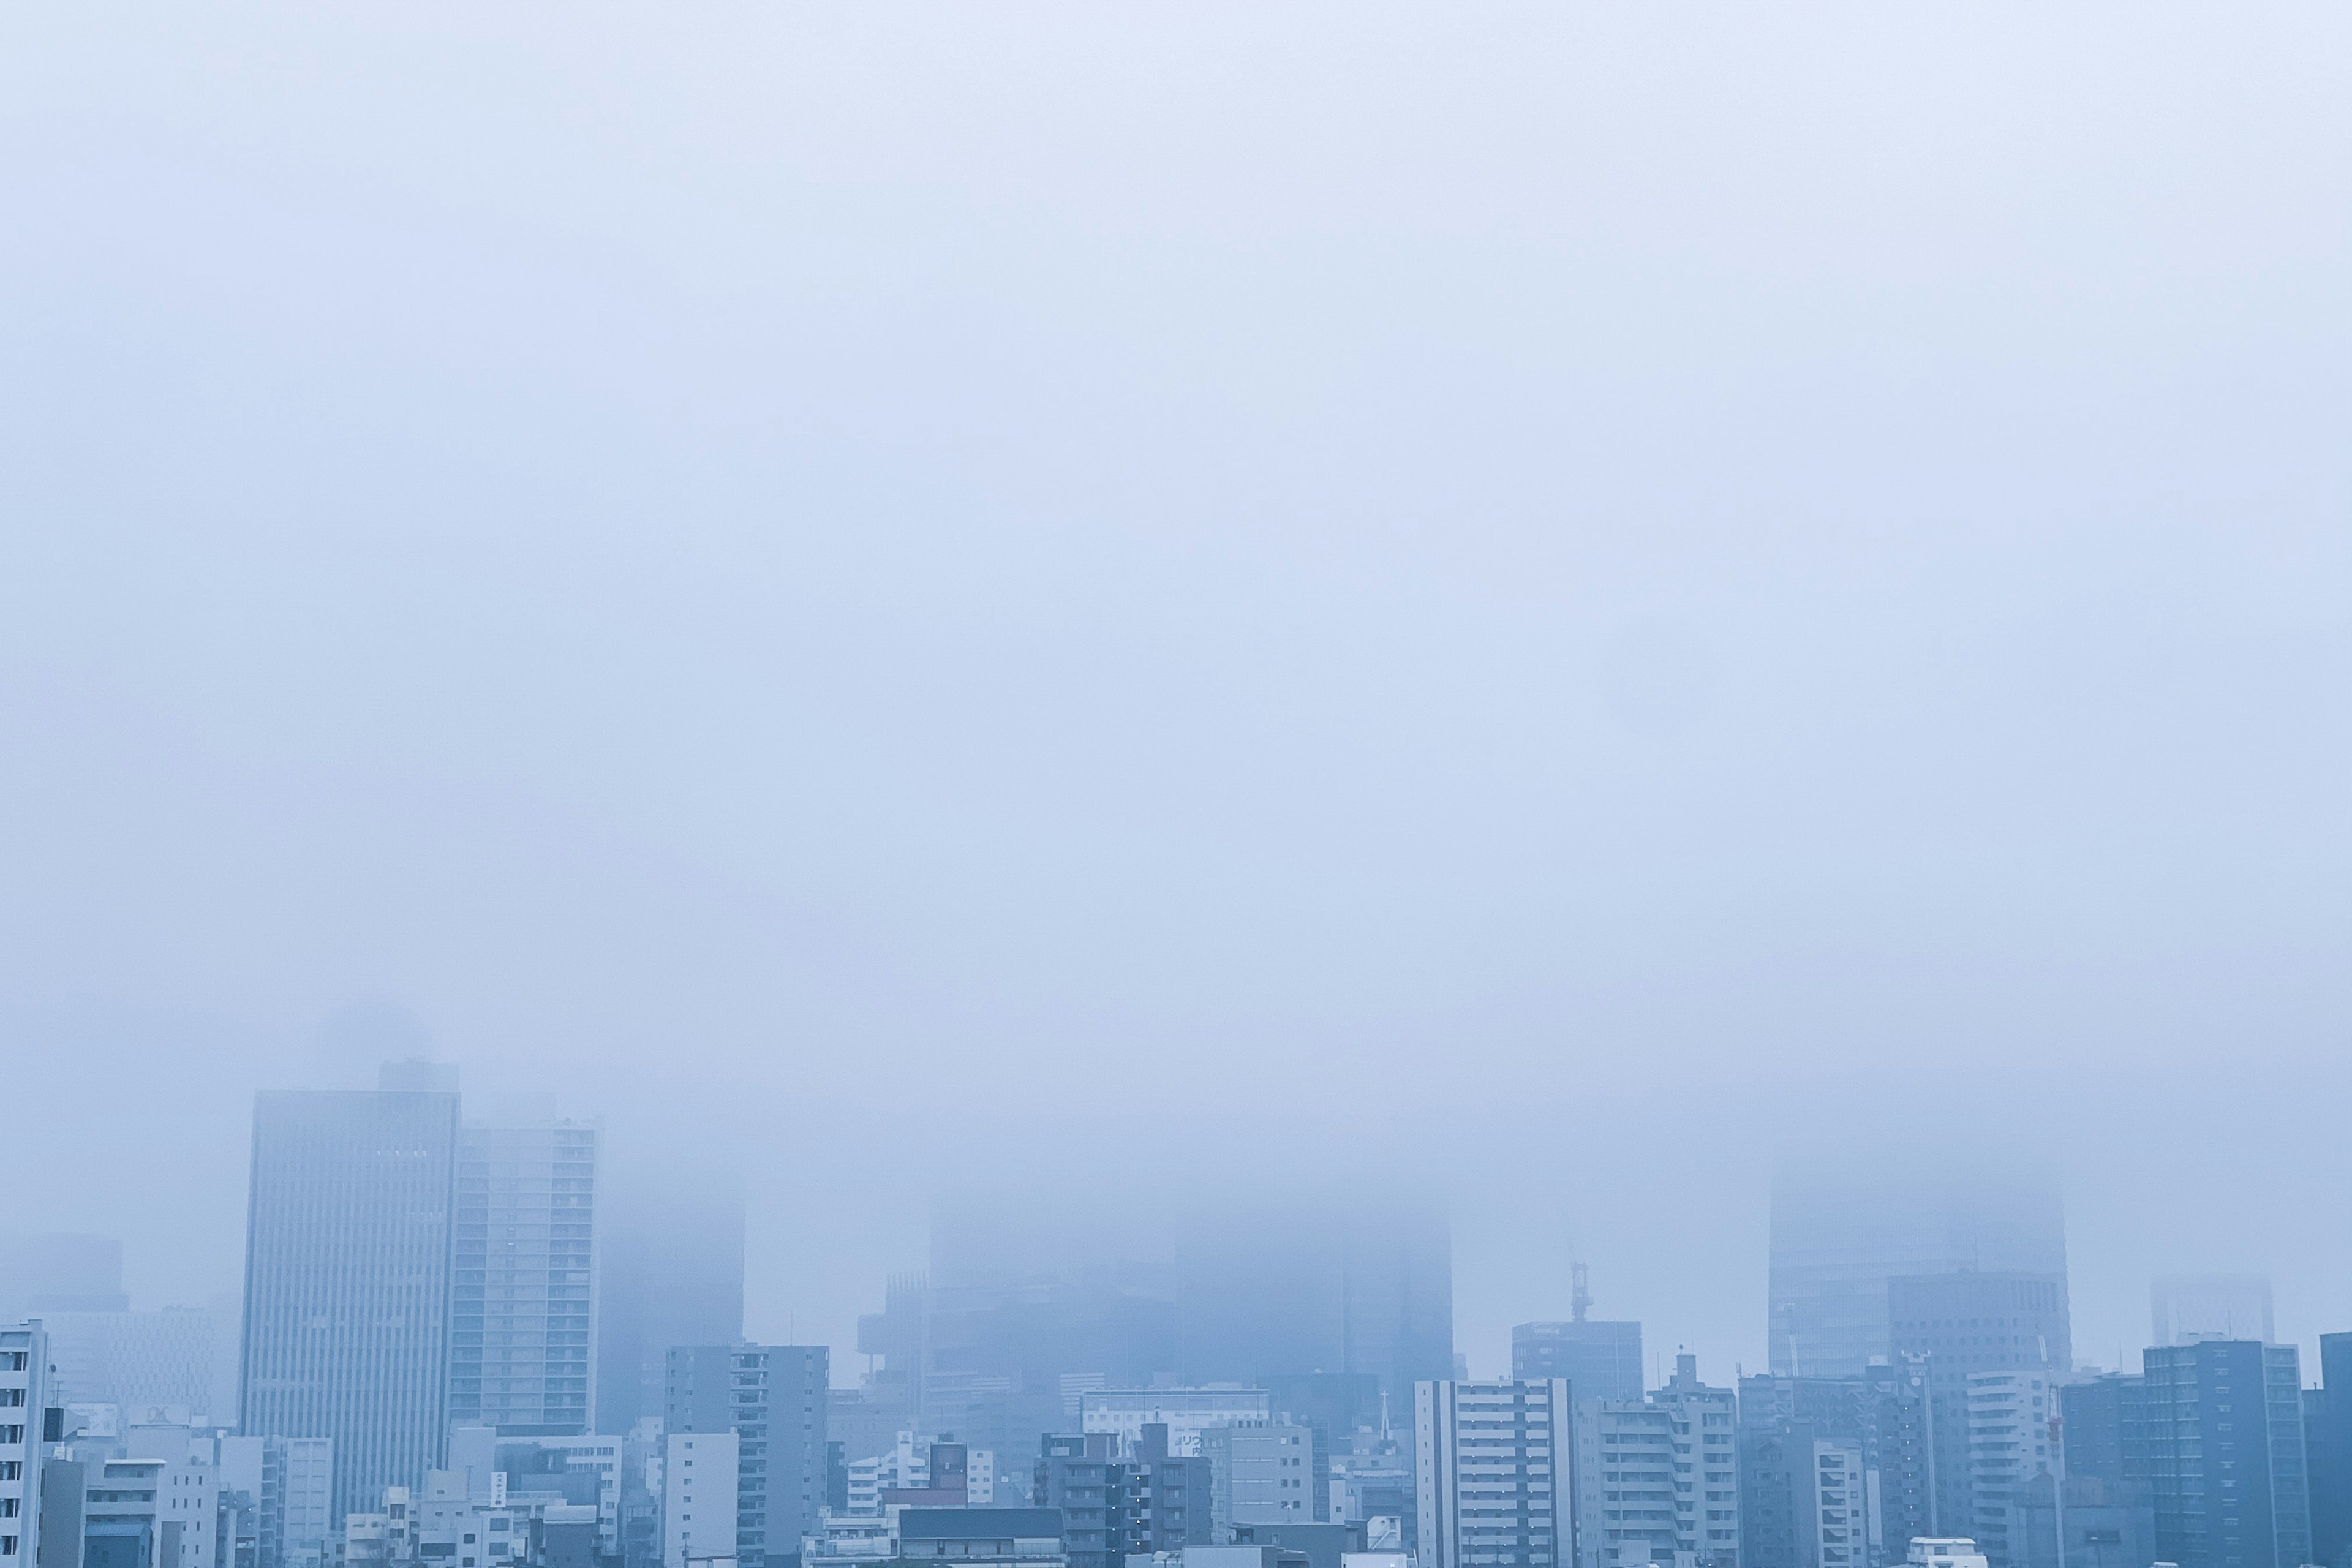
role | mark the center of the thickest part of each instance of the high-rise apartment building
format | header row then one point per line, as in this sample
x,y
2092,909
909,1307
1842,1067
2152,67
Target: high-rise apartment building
x,y
522,1315
2184,1307
773,1397
1493,1466
1658,1479
2010,1447
347,1275
2327,1440
1840,1236
2223,1428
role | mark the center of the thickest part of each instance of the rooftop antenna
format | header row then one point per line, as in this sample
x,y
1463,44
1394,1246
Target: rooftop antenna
x,y
1580,1296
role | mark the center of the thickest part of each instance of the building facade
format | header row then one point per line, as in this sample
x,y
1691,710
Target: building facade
x,y
2223,1434
773,1398
522,1315
347,1280
1601,1359
1493,1473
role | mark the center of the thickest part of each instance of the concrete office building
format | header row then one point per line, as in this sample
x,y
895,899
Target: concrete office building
x,y
1185,1413
2009,1445
182,1358
522,1315
1260,1472
2223,1432
773,1398
291,1481
1968,1323
1493,1474
1600,1359
1081,1482
347,1274
1839,1235
2185,1308
700,1504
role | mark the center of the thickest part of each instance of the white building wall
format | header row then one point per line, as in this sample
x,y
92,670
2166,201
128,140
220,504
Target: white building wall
x,y
1185,1412
1493,1472
698,1498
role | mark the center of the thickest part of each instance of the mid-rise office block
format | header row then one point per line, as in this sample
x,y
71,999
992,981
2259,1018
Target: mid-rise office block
x,y
1184,1413
1964,1324
1081,1482
1600,1359
347,1278
1169,1497
1838,1236
1493,1473
522,1318
1882,1417
2223,1424
1260,1472
291,1481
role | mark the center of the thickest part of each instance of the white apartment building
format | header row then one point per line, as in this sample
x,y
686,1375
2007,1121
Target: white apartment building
x,y
698,1498
1839,1522
2009,1445
23,1394
1492,1466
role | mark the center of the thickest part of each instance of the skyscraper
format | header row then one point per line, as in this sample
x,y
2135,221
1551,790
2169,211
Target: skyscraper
x,y
1838,1236
2222,1422
522,1316
1492,1468
347,1277
671,1231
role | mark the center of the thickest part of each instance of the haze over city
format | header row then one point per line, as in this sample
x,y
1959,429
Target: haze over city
x,y
1159,645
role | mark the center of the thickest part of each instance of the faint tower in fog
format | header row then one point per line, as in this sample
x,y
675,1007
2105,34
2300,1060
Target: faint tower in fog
x,y
522,1314
1839,1234
347,1274
672,1233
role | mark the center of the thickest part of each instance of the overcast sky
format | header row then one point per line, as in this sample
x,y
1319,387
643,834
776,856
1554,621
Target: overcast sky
x,y
1547,598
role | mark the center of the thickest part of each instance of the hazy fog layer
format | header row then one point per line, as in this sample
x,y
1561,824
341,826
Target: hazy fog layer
x,y
1545,599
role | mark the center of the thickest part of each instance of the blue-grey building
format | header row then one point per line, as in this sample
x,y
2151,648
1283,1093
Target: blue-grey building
x,y
2224,1443
2327,1440
522,1314
773,1398
346,1267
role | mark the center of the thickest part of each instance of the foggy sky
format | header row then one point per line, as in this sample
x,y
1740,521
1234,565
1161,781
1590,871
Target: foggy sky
x,y
1558,598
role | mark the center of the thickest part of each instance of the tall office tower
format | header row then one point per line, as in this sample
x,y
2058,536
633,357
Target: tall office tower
x,y
59,1271
2187,1307
1966,1324
773,1397
2223,1428
347,1277
1660,1477
522,1314
2327,1439
1882,1417
2010,1447
1839,1237
1492,1471
24,1397
671,1234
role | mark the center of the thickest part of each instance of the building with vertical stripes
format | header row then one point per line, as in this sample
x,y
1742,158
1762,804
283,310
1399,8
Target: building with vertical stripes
x,y
1493,1473
347,1268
